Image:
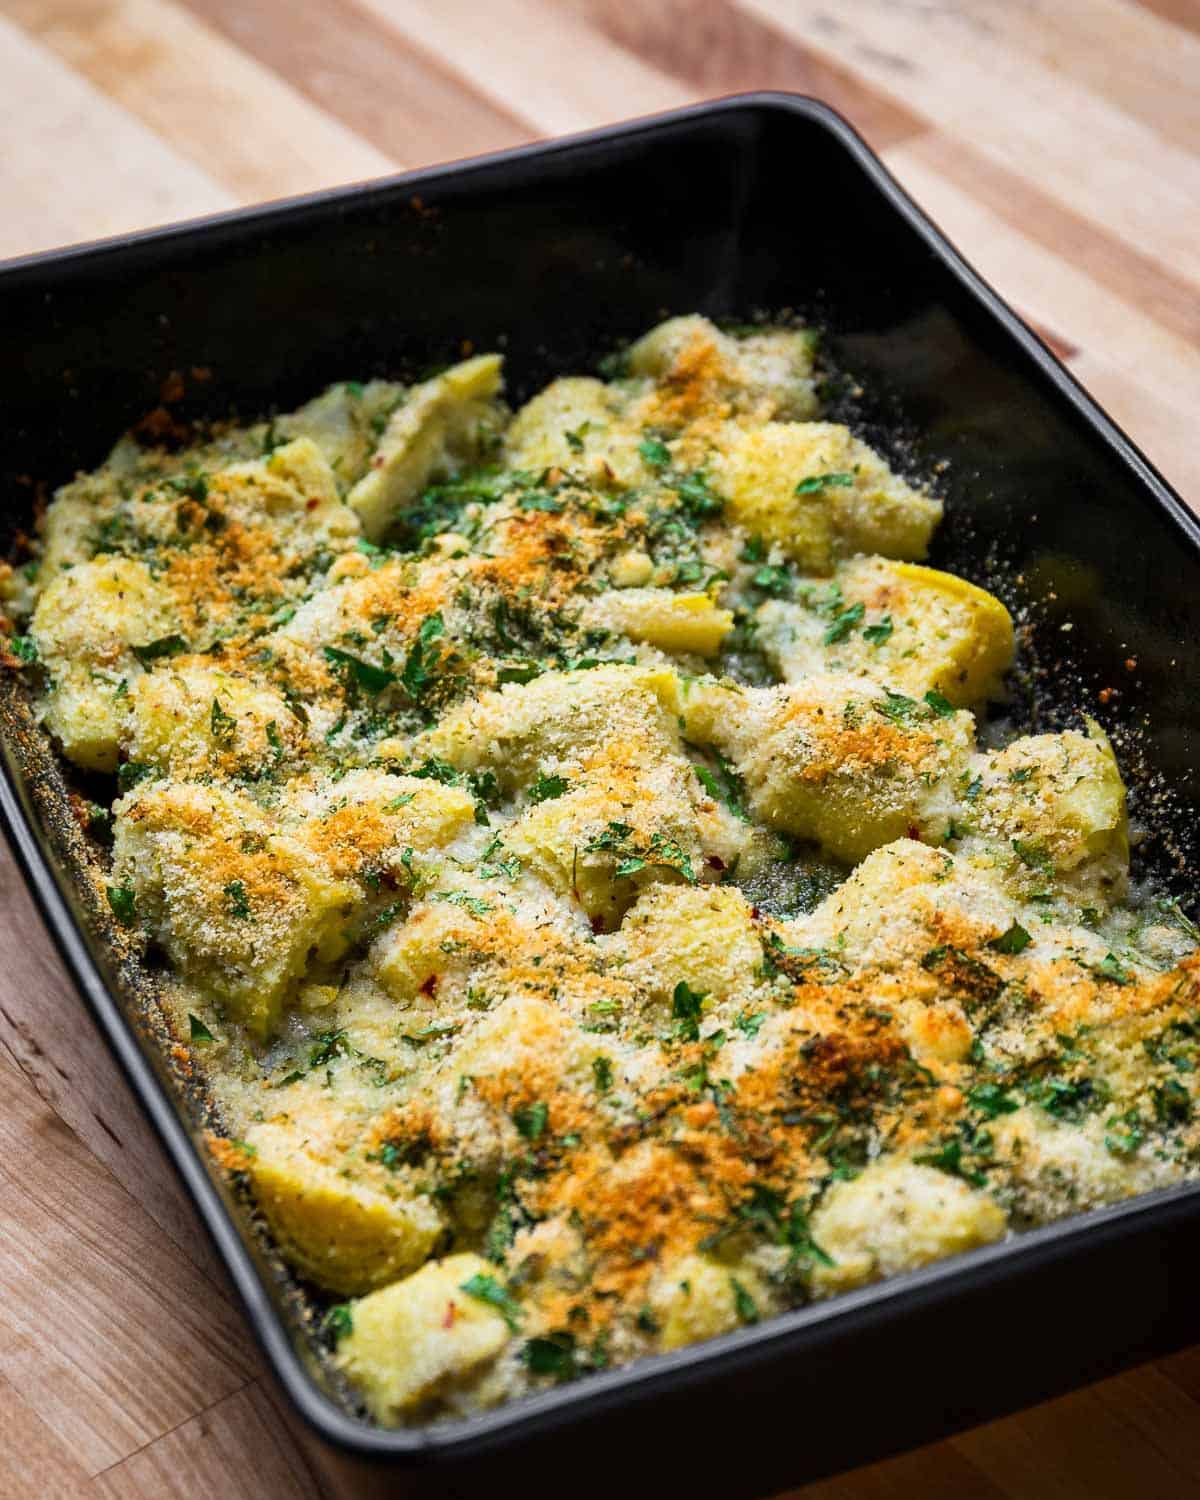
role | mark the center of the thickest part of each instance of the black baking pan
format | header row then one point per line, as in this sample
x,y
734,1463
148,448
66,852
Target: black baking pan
x,y
765,203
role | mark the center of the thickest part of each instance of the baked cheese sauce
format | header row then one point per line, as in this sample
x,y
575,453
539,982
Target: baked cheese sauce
x,y
574,864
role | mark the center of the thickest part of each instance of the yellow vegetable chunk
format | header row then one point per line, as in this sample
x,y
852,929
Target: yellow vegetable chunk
x,y
901,901
758,375
447,945
896,1216
702,935
910,627
345,1226
820,493
292,491
408,1341
87,627
238,907
438,427
342,422
362,826
673,622
576,423
698,1298
1051,807
191,718
846,763
558,719
577,845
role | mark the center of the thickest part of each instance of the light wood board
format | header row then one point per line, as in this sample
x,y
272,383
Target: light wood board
x,y
1056,141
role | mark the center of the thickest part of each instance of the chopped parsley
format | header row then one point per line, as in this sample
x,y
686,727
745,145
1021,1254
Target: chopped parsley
x,y
222,725
363,674
880,633
544,788
661,852
123,902
843,622
531,1120
941,707
1113,970
991,1099
1033,856
487,1289
338,1322
237,901
1014,939
165,645
198,1032
555,1355
24,648
423,656
686,1009
815,483
743,1303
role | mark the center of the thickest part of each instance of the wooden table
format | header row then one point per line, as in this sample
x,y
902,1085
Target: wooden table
x,y
1057,141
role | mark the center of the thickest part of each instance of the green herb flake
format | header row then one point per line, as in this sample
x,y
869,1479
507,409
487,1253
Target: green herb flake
x,y
991,1099
743,1303
948,1158
880,633
547,787
364,674
487,1289
1124,1133
221,725
422,658
338,1322
775,580
130,772
655,453
942,707
602,1073
1033,857
24,648
123,901
1014,940
100,820
531,1120
553,1355
686,1009
198,1032
844,621
165,645
1113,970
237,902
815,483
897,708
1172,1103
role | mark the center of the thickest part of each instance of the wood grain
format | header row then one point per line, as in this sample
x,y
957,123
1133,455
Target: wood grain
x,y
1056,141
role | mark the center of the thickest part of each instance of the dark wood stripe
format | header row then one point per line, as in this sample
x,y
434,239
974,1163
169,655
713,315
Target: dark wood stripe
x,y
1053,341
1139,279
367,76
713,46
1184,13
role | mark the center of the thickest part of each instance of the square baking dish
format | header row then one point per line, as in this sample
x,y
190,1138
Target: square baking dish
x,y
554,253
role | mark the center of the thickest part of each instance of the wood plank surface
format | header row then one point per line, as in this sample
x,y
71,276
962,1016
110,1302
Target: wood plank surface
x,y
1056,141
